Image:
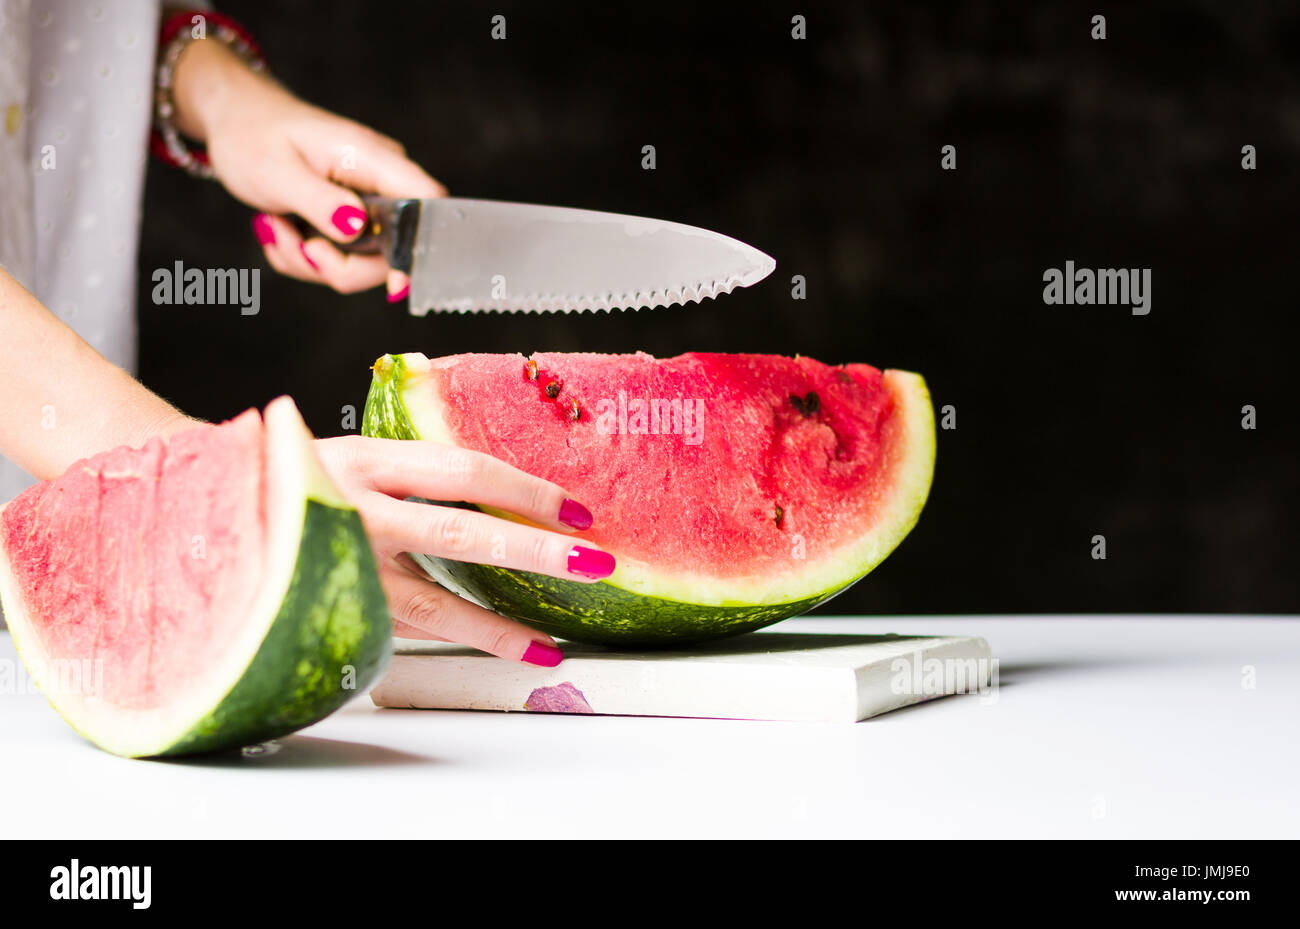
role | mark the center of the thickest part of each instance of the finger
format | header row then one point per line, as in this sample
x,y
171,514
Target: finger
x,y
406,631
345,273
399,285
439,613
377,164
283,248
335,211
445,472
388,142
471,536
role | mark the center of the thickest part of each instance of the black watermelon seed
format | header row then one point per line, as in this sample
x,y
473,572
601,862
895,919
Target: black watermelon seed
x,y
806,405
553,389
779,516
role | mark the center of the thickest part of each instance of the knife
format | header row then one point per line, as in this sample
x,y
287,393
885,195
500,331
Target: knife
x,y
469,256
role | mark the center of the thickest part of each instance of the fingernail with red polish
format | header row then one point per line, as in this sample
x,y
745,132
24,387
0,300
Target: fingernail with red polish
x,y
302,247
574,514
401,294
547,656
590,562
263,229
348,220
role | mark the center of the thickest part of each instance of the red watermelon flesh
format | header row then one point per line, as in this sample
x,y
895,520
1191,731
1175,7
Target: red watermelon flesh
x,y
201,592
157,562
775,445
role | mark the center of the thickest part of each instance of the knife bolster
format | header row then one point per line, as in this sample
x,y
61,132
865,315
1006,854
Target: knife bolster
x,y
397,234
390,231
392,227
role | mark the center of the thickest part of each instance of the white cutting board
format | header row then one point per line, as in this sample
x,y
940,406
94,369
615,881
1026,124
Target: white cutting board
x,y
763,675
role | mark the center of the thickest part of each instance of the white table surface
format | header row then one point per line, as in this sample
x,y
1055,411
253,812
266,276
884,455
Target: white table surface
x,y
1102,727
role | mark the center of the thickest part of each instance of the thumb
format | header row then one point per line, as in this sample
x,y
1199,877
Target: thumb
x,y
336,211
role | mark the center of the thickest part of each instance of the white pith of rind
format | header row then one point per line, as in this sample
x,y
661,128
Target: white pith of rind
x,y
819,573
294,475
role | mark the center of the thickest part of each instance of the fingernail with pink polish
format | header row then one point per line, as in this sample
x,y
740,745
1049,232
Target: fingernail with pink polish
x,y
302,247
348,220
546,656
263,229
590,562
401,294
574,514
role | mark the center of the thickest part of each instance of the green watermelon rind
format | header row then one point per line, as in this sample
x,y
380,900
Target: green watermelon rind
x,y
325,645
605,613
329,639
602,613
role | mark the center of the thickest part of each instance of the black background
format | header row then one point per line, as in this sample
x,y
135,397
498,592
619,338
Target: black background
x,y
1071,421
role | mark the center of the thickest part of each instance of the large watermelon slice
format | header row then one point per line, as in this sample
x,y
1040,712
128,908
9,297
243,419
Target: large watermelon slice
x,y
206,592
733,490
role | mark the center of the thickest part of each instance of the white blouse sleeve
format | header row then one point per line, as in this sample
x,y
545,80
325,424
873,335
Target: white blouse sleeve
x,y
81,73
17,245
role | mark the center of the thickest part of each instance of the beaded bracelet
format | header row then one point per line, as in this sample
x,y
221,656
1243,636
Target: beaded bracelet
x,y
177,33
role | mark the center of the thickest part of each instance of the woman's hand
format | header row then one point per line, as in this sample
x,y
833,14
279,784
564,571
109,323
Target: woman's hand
x,y
375,475
281,155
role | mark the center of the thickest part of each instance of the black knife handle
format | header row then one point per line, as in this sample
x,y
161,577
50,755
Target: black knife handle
x,y
390,230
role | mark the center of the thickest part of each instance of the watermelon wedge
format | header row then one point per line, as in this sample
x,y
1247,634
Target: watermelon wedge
x,y
733,490
206,592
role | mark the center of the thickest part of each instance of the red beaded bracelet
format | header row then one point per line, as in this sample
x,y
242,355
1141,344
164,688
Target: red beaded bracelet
x,y
177,32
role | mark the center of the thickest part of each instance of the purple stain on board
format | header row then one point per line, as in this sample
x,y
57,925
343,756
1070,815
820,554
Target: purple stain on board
x,y
562,698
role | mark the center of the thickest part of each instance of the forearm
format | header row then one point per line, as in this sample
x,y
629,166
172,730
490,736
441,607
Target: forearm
x,y
60,400
212,83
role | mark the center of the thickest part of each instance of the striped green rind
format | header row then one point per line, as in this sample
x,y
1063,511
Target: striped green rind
x,y
385,415
602,613
330,640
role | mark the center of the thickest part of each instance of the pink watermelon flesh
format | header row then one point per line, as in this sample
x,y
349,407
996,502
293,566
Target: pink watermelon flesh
x,y
765,443
172,540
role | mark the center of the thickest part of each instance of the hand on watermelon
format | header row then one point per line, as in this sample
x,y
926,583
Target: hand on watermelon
x,y
377,475
281,155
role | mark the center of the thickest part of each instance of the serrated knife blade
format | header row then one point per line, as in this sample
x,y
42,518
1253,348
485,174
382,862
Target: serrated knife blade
x,y
489,255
